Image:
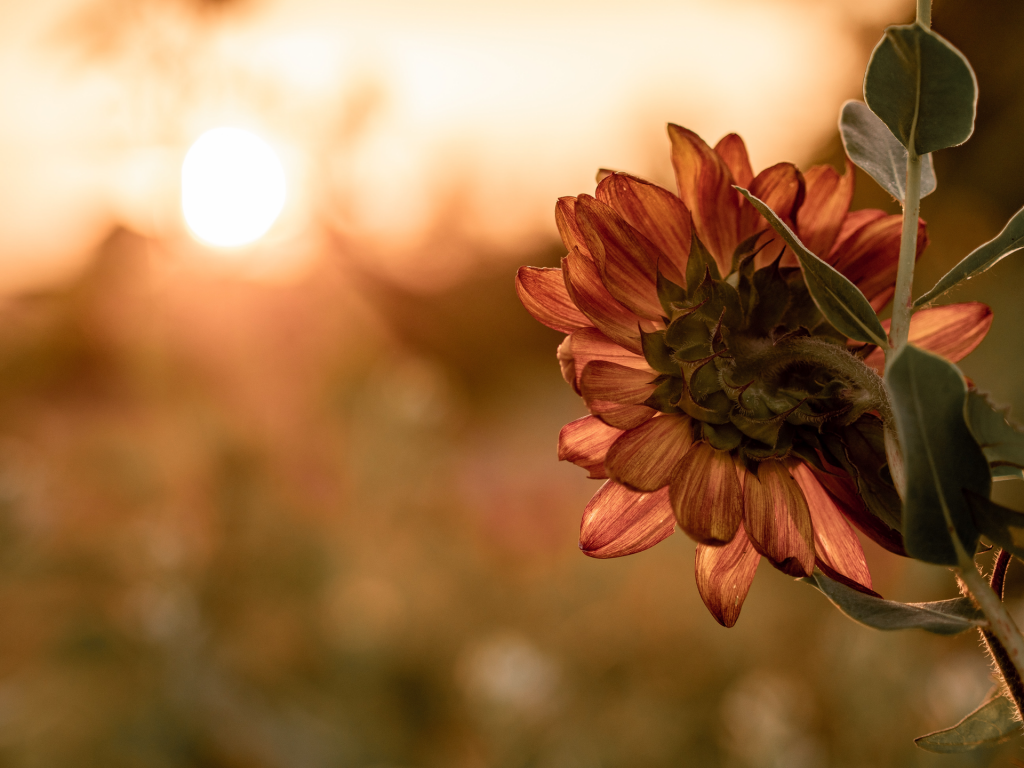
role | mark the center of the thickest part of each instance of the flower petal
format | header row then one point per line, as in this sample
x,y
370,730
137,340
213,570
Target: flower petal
x,y
585,442
583,283
627,260
619,522
705,186
724,575
568,229
781,188
843,491
590,344
952,330
825,207
734,152
777,520
655,213
567,363
614,393
868,256
835,543
543,293
706,494
646,457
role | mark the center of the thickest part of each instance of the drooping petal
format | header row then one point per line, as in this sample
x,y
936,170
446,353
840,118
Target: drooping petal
x,y
543,293
777,520
568,229
825,207
705,186
614,392
952,330
706,494
781,188
843,491
585,442
589,344
627,260
646,457
835,543
869,255
724,575
734,152
655,213
619,522
583,283
567,363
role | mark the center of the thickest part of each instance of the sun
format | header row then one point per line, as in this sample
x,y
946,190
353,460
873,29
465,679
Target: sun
x,y
232,187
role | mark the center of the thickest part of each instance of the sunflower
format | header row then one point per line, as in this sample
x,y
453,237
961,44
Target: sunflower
x,y
699,354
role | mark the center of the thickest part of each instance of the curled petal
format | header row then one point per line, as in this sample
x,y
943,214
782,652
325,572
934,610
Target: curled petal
x,y
835,543
589,344
734,152
825,207
583,283
843,491
781,187
868,256
646,457
585,442
614,393
567,363
568,229
952,330
705,186
706,494
724,575
544,295
627,260
619,522
655,213
776,518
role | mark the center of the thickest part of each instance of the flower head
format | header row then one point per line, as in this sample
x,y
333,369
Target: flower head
x,y
706,367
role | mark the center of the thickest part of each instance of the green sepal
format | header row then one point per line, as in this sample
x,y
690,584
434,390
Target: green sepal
x,y
1000,441
714,410
982,258
666,394
942,458
922,88
718,302
1002,526
763,430
724,437
689,336
944,617
771,299
873,148
860,450
840,301
743,256
699,264
671,296
990,724
783,445
657,353
702,379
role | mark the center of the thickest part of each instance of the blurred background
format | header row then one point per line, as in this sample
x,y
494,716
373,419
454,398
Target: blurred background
x,y
295,503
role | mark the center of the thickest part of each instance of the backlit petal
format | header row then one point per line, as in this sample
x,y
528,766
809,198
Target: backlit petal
x,y
705,186
777,520
657,214
835,543
734,152
543,293
706,494
952,330
724,575
645,458
619,522
825,207
781,188
614,393
566,362
589,344
843,491
568,229
585,442
584,285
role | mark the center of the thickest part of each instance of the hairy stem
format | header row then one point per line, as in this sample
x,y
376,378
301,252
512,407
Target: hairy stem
x,y
908,253
1011,677
924,13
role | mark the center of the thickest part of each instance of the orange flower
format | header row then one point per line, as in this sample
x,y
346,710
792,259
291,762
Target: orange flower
x,y
697,349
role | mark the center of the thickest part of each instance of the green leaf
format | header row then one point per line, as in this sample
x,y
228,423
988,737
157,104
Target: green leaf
x,y
922,88
990,724
1000,441
945,617
877,152
1010,240
1002,526
839,300
1005,472
941,456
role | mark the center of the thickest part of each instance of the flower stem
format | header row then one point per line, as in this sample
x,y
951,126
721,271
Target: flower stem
x,y
1011,678
1001,625
908,253
924,13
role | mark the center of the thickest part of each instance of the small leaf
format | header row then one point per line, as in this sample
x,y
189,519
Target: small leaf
x,y
1000,441
982,258
839,300
942,458
992,723
945,617
1002,526
922,88
871,145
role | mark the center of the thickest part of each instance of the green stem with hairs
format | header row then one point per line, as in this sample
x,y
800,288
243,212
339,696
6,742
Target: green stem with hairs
x,y
900,329
924,13
1011,677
